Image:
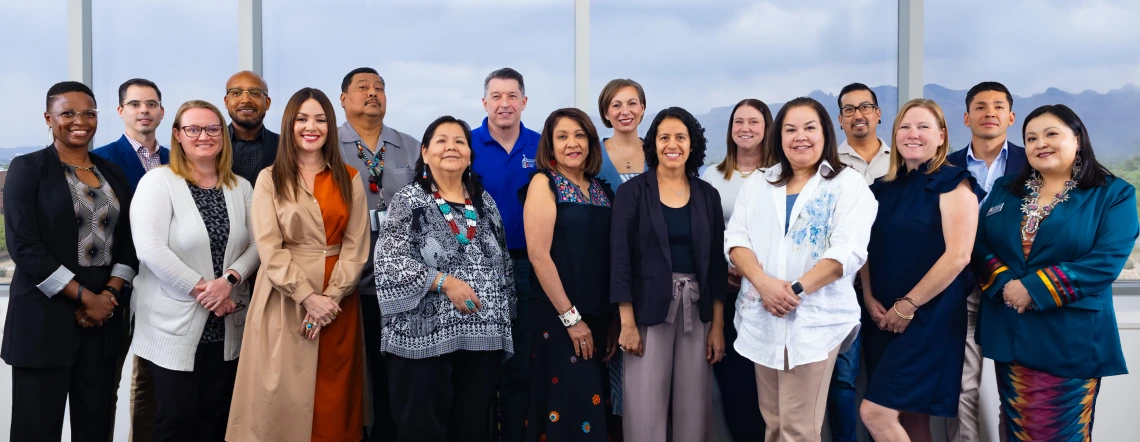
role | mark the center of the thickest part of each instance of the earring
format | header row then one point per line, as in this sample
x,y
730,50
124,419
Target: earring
x,y
425,172
553,163
1078,164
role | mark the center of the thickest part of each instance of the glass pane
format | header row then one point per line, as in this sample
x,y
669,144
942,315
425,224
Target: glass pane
x,y
433,55
189,49
707,56
1083,54
31,68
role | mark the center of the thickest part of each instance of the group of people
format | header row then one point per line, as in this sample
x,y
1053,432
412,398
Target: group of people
x,y
503,283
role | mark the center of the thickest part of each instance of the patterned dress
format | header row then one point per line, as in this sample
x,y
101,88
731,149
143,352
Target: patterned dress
x,y
569,396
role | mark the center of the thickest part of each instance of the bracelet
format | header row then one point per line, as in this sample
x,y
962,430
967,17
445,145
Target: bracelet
x,y
571,317
439,286
896,310
907,299
79,298
113,291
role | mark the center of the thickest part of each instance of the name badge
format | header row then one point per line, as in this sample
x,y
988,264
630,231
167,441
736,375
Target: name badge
x,y
377,217
995,209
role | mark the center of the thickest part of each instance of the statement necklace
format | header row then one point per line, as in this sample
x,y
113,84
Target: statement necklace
x,y
468,213
1033,211
745,175
375,165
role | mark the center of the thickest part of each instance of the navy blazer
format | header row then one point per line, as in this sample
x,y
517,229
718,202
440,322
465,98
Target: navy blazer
x,y
1015,160
1078,253
641,262
42,235
122,153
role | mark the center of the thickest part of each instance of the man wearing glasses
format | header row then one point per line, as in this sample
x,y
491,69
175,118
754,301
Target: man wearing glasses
x,y
864,151
137,152
255,146
385,157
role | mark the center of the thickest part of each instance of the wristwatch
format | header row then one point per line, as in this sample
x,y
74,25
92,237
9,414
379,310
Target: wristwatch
x,y
230,278
798,289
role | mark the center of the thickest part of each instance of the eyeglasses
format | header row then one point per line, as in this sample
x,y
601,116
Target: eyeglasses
x,y
136,104
865,109
213,130
70,115
238,92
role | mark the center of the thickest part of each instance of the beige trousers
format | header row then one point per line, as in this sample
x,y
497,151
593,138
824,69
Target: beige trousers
x,y
793,401
965,427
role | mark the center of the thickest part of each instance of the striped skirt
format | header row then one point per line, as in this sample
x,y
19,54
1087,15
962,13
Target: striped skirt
x,y
1039,406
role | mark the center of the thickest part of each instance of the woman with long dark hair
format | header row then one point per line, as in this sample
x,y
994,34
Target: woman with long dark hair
x,y
301,372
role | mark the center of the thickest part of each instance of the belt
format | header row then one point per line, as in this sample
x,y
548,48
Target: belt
x,y
686,293
332,250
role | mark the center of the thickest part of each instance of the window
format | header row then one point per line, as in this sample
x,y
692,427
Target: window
x,y
705,58
433,55
1082,54
32,67
189,49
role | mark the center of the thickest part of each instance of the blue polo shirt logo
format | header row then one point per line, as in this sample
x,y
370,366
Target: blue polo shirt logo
x,y
528,163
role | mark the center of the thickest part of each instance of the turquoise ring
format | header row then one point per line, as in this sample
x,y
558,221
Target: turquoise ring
x,y
470,304
308,326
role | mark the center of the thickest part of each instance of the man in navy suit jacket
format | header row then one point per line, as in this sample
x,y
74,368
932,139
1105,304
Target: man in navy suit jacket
x,y
137,152
989,156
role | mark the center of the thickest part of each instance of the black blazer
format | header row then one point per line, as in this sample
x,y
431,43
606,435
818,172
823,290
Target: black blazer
x,y
642,266
42,235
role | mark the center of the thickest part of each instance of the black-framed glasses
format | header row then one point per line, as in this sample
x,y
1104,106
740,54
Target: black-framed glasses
x,y
70,115
136,104
237,92
865,109
213,130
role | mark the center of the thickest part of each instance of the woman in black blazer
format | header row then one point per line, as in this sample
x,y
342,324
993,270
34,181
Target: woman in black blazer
x,y
669,279
69,236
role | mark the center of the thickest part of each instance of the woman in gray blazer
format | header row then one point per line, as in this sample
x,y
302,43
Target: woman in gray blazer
x,y
196,249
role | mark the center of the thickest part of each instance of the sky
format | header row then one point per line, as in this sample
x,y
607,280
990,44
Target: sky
x,y
435,54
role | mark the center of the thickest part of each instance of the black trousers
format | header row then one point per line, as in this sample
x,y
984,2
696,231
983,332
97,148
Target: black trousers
x,y
384,428
39,395
736,377
445,398
194,405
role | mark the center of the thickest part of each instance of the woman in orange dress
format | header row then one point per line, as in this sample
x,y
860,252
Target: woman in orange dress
x,y
303,373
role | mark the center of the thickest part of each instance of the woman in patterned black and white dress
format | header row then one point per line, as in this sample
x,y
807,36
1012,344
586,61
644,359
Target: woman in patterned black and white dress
x,y
446,289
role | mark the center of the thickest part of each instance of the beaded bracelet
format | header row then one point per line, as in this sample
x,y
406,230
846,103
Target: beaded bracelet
x,y
439,286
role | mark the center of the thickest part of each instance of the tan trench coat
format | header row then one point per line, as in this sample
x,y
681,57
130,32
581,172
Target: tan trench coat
x,y
276,378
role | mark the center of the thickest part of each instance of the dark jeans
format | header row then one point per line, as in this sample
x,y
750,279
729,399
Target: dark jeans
x,y
194,405
842,403
444,398
736,378
514,385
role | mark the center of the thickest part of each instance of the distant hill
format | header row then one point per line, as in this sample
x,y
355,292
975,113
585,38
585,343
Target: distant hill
x,y
1110,117
7,153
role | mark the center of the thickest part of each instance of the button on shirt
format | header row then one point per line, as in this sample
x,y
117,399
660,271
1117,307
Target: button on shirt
x,y
401,151
986,175
878,166
148,159
831,218
504,174
251,156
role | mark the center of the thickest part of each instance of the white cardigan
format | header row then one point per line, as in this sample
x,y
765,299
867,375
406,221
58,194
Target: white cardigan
x,y
173,248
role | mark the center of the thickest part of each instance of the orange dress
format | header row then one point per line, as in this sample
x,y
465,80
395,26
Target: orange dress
x,y
337,402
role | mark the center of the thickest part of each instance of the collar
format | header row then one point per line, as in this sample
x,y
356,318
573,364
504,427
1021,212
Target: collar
x,y
773,173
489,139
1001,154
259,137
136,145
846,149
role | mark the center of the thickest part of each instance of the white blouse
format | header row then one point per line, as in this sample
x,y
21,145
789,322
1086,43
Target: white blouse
x,y
831,219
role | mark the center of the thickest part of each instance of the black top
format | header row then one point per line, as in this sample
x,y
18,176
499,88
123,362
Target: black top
x,y
212,206
679,223
250,156
580,246
640,255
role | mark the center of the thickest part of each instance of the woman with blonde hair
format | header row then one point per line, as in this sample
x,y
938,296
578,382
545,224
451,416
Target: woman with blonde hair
x,y
302,377
915,339
195,247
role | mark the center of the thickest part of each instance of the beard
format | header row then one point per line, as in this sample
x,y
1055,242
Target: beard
x,y
248,123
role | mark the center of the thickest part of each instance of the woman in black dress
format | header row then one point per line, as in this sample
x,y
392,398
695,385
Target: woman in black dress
x,y
567,219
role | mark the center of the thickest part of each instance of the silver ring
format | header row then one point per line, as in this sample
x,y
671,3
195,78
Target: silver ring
x,y
621,348
582,343
110,315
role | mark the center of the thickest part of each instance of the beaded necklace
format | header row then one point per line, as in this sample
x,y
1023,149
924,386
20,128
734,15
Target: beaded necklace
x,y
375,166
468,213
1033,211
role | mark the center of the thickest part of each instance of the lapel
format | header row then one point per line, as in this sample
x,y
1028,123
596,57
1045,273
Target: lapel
x,y
129,159
1006,225
1015,160
58,202
700,223
1056,221
656,215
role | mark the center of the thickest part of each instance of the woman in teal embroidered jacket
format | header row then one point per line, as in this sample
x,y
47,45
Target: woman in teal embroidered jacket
x,y
1050,243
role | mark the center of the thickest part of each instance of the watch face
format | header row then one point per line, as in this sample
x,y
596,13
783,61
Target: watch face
x,y
232,279
798,288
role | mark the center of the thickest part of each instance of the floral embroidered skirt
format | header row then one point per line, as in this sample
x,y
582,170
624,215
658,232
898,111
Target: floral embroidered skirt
x,y
567,393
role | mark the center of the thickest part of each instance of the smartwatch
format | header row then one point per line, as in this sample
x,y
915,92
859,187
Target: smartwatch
x,y
798,289
230,278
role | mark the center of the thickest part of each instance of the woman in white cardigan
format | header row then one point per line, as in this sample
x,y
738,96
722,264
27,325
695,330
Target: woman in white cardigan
x,y
196,250
798,235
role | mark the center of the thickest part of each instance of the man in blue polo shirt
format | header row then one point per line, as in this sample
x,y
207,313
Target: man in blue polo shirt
x,y
504,157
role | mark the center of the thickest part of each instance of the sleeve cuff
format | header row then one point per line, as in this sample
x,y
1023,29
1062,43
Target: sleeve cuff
x,y
1048,287
186,283
302,291
732,241
56,281
849,259
125,272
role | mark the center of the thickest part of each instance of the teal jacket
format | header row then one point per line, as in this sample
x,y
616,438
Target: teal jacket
x,y
1079,251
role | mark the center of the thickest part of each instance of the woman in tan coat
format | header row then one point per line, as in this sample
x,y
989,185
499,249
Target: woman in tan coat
x,y
301,374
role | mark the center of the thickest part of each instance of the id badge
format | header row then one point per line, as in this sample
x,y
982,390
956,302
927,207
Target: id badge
x,y
377,218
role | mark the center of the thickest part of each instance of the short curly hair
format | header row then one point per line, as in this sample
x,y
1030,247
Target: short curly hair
x,y
698,144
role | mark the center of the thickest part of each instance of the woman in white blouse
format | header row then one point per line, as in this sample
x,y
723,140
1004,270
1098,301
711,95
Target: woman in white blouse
x,y
798,235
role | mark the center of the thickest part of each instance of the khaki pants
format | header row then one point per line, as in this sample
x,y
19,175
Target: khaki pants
x,y
964,428
143,403
793,401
